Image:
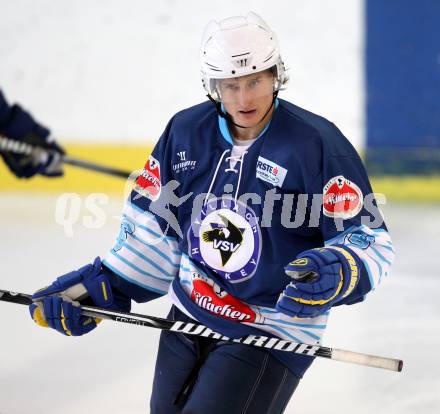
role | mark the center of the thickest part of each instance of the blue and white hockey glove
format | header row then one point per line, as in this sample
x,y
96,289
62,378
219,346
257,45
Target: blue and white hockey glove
x,y
322,277
58,305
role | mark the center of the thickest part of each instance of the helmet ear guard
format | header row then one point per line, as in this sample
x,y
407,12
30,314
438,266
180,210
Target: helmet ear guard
x,y
280,75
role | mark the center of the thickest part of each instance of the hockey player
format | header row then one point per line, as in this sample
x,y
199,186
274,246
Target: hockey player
x,y
18,124
255,217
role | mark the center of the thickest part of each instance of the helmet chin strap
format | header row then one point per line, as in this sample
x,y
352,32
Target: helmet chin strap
x,y
229,118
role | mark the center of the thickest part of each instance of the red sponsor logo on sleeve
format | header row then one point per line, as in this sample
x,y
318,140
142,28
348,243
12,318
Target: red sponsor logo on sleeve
x,y
341,198
148,182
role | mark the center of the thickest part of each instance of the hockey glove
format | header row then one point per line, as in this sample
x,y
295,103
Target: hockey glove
x,y
17,124
322,277
58,305
45,160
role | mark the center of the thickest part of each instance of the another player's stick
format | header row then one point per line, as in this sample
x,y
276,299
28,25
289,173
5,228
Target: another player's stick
x,y
23,148
201,330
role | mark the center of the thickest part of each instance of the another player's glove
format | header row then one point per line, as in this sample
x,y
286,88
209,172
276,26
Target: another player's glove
x,y
17,124
58,305
45,160
322,277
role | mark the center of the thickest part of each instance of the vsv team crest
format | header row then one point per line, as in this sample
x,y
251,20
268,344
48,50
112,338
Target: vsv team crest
x,y
226,237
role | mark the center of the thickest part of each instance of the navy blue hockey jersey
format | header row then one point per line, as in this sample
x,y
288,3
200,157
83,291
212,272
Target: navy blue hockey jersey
x,y
215,235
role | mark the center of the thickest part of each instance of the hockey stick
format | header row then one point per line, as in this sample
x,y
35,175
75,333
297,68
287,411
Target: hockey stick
x,y
23,148
201,330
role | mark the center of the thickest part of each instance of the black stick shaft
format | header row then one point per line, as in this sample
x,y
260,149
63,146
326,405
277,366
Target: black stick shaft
x,y
22,148
204,331
116,172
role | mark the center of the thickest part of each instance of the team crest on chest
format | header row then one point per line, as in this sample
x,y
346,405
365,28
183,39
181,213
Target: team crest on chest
x,y
226,237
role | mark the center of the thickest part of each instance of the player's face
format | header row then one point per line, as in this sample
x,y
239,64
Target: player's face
x,y
247,98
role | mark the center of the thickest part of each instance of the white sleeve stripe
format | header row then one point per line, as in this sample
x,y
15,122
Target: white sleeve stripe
x,y
143,213
311,335
162,254
133,276
373,266
149,261
136,253
143,219
145,232
284,333
377,257
129,279
380,256
375,253
186,261
134,212
158,233
388,247
139,270
300,325
167,246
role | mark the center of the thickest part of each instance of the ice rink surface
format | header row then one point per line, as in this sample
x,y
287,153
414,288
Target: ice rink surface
x,y
111,369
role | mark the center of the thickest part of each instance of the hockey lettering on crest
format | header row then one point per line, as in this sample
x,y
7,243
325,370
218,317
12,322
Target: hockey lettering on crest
x,y
148,183
226,237
341,198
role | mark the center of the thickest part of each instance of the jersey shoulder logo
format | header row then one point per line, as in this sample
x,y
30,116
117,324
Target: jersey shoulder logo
x,y
341,198
361,240
183,163
226,237
126,228
148,183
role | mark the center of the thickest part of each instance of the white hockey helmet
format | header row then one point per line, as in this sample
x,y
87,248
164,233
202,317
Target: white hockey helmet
x,y
239,46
